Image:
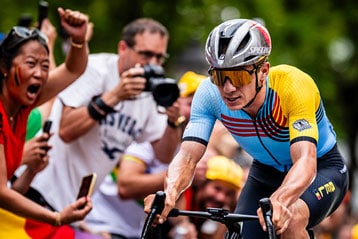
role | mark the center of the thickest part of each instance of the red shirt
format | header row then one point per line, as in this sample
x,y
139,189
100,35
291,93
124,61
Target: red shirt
x,y
13,142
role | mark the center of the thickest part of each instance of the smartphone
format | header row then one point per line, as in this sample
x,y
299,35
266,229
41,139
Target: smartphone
x,y
46,129
87,185
42,12
47,126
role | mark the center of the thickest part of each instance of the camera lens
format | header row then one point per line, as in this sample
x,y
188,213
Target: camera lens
x,y
166,93
165,90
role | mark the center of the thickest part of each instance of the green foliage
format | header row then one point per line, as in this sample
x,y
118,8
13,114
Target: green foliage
x,y
303,33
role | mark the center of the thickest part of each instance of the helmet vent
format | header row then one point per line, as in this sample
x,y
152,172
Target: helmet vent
x,y
243,43
223,44
249,58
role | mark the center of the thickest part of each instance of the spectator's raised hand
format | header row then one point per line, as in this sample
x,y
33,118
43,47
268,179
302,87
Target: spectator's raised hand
x,y
75,211
74,23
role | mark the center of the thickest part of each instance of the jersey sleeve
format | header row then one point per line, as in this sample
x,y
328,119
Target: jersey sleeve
x,y
300,102
202,116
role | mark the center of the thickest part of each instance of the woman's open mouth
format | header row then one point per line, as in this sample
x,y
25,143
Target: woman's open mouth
x,y
33,90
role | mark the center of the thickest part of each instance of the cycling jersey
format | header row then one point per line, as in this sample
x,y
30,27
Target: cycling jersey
x,y
292,111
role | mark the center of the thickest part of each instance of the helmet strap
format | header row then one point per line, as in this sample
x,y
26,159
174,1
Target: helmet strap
x,y
257,88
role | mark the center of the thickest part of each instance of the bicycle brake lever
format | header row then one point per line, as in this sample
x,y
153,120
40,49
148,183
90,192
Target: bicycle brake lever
x,y
157,208
266,208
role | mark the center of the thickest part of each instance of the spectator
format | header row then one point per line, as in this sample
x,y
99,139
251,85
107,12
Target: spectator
x,y
119,212
220,190
39,114
93,126
26,83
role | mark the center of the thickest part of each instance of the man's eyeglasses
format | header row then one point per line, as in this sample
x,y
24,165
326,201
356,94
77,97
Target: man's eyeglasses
x,y
18,35
148,55
237,77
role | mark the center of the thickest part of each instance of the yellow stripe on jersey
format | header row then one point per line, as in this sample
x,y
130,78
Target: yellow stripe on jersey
x,y
297,110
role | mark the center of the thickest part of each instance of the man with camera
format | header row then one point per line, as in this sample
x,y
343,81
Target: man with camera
x,y
96,119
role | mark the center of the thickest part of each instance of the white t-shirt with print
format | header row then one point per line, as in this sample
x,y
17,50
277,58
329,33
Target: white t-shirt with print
x,y
101,147
112,214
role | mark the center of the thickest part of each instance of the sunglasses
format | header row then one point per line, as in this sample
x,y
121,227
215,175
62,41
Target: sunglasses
x,y
19,35
237,77
148,55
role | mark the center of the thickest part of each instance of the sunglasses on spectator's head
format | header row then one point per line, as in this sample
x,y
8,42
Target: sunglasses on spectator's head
x,y
19,35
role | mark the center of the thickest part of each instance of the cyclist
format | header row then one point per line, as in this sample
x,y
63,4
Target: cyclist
x,y
276,114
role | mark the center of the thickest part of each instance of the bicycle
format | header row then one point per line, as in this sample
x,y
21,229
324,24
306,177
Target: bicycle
x,y
232,221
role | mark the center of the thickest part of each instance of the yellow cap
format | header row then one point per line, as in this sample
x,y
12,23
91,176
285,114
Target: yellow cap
x,y
355,231
225,169
189,82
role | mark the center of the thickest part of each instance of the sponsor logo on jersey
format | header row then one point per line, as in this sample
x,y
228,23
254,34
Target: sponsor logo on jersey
x,y
301,125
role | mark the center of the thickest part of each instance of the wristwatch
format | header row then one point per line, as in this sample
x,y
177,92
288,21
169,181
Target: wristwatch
x,y
178,123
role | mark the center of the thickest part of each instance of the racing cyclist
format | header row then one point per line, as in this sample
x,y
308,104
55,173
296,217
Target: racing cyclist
x,y
276,114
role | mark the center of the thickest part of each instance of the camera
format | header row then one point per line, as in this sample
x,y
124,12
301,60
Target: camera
x,y
165,90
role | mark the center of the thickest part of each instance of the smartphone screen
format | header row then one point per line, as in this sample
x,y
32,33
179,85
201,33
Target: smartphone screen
x,y
87,185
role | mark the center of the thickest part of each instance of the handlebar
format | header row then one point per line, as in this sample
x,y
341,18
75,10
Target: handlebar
x,y
216,214
157,208
266,208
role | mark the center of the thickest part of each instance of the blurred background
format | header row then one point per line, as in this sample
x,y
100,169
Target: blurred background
x,y
320,37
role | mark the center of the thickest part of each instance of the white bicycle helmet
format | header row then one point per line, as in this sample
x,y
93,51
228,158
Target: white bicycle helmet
x,y
237,42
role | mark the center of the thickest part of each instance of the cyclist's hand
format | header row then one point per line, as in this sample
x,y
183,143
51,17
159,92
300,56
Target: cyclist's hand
x,y
159,219
148,201
76,211
281,217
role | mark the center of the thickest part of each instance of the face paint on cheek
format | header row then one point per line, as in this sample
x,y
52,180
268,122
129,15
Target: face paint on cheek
x,y
17,76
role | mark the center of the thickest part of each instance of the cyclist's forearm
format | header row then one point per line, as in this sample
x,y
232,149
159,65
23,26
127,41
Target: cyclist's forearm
x,y
179,177
299,177
181,170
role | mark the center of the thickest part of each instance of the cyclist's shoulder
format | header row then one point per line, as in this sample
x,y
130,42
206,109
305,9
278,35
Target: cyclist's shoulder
x,y
207,88
286,73
287,77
